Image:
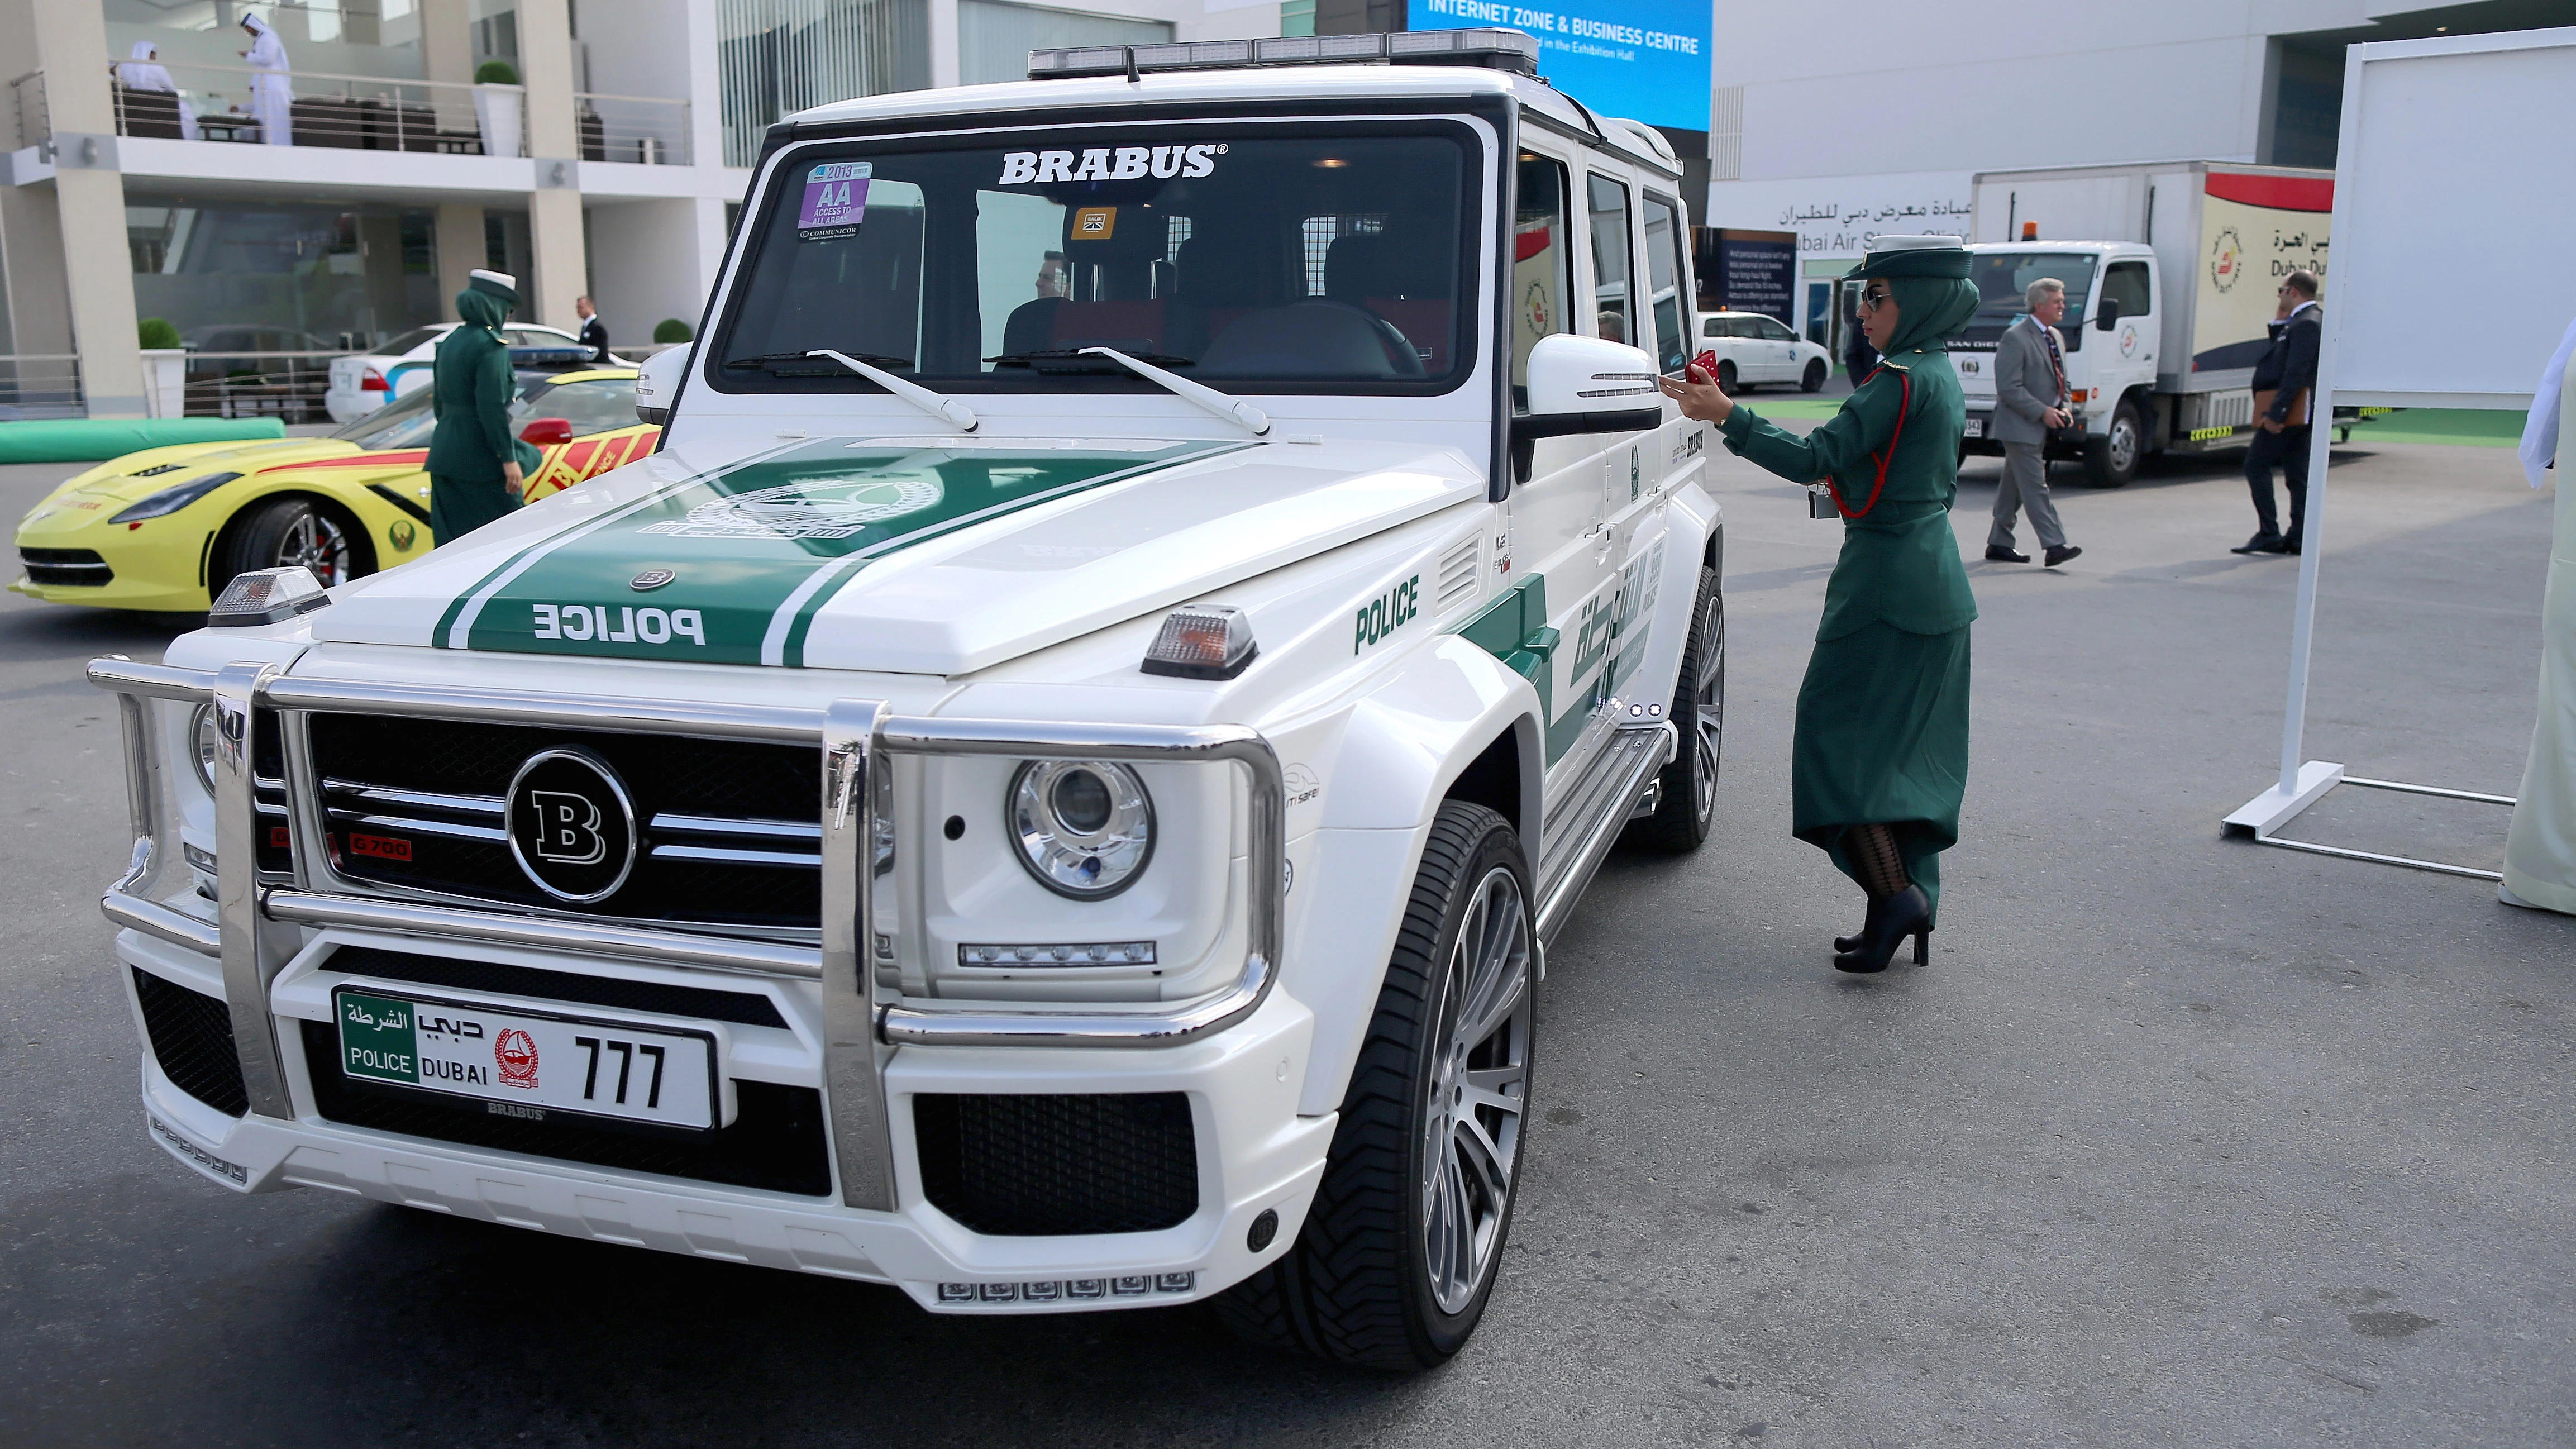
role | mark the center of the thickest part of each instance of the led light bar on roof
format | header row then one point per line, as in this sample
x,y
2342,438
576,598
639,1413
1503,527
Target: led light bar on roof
x,y
1492,48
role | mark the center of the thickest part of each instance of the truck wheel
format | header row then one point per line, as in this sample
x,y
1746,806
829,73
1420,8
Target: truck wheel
x,y
1401,1246
1688,786
288,533
1814,381
2111,460
1726,376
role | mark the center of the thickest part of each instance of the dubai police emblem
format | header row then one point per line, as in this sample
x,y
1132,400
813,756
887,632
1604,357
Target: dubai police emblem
x,y
816,508
515,1053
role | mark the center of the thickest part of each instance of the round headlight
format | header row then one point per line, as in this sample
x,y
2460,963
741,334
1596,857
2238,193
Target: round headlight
x,y
1085,827
201,735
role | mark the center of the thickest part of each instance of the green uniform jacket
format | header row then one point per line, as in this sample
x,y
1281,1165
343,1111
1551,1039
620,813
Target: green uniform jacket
x,y
472,385
1882,733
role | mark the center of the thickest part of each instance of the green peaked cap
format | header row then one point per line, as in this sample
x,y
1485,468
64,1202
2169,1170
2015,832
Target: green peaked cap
x,y
1913,256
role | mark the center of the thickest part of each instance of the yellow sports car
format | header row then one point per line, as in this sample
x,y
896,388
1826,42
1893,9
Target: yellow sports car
x,y
165,529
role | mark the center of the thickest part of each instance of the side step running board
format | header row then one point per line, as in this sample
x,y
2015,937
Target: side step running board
x,y
1639,754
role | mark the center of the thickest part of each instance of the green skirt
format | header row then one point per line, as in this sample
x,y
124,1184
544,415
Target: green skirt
x,y
1883,739
457,508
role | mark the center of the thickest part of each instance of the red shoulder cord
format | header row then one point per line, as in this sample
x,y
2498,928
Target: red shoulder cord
x,y
1904,405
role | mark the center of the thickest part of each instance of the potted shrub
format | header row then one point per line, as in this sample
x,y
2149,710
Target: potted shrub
x,y
670,330
500,107
165,368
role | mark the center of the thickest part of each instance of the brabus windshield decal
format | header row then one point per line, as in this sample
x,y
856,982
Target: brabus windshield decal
x,y
836,199
1108,163
755,549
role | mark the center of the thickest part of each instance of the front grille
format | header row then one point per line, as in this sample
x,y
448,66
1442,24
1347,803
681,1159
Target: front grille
x,y
276,852
730,830
192,1039
1049,1166
79,567
775,1143
658,997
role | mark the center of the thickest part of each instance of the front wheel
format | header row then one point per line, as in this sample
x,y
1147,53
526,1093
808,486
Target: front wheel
x,y
1686,792
1401,1246
290,533
1814,381
2111,460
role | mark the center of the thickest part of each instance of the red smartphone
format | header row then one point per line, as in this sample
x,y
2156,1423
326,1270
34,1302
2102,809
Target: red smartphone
x,y
1705,362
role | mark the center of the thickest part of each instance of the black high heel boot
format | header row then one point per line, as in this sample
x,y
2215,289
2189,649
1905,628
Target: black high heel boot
x,y
1891,919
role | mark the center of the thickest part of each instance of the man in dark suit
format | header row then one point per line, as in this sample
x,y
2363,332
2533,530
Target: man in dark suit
x,y
594,333
2285,385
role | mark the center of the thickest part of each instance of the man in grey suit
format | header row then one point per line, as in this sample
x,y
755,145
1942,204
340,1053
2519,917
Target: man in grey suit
x,y
2030,399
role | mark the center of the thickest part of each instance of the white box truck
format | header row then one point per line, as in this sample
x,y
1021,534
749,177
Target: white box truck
x,y
2166,298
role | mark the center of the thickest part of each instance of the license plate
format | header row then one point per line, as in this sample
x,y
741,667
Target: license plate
x,y
1976,427
528,1064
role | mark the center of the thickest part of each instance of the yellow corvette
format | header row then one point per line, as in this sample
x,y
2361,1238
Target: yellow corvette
x,y
165,529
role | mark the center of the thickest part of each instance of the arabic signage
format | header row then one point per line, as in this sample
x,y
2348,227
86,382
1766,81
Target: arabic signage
x,y
1646,60
2255,229
1838,216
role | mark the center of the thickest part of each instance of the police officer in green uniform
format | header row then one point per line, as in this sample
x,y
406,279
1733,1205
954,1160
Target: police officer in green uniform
x,y
1881,757
476,468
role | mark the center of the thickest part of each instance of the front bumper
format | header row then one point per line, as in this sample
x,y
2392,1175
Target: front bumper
x,y
267,964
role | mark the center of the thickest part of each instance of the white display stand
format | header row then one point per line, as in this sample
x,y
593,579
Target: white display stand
x,y
2452,148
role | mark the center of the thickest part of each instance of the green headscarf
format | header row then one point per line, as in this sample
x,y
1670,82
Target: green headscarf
x,y
482,309
1929,309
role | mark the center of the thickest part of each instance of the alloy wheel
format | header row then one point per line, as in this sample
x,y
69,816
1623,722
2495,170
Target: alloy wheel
x,y
1478,1092
315,542
1708,707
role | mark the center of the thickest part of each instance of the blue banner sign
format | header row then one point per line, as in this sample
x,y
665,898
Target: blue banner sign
x,y
1646,60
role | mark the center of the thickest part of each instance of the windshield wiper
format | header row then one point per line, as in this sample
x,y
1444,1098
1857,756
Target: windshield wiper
x,y
1075,354
767,358
948,409
1232,409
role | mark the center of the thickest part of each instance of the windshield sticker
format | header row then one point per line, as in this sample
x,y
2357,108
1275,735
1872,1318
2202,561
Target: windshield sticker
x,y
756,548
1107,163
836,198
1094,223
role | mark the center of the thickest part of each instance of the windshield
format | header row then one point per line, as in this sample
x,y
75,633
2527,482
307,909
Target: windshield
x,y
397,346
406,422
2002,277
1283,258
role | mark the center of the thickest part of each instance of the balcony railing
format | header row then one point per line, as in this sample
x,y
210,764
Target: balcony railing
x,y
287,386
39,385
351,112
645,129
31,125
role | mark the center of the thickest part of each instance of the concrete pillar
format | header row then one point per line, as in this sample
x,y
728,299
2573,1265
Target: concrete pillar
x,y
943,43
459,242
559,271
89,199
545,65
446,41
554,209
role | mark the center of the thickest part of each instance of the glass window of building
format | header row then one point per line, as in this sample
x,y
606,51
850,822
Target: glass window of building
x,y
777,57
260,276
994,37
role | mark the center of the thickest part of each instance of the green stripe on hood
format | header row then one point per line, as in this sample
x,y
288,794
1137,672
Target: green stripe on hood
x,y
756,548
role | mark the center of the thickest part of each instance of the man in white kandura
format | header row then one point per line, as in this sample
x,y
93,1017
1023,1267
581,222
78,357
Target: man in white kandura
x,y
2540,848
272,87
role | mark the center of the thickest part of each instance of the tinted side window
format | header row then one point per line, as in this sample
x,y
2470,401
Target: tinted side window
x,y
591,407
1665,239
1539,251
1612,246
2127,285
1773,331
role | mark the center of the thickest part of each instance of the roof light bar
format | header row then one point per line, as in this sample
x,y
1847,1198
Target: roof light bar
x,y
1494,49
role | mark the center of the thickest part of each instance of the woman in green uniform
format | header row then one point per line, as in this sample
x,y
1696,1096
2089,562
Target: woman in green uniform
x,y
1882,744
476,468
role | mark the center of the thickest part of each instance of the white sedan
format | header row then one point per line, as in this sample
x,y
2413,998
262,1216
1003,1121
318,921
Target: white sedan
x,y
362,384
1754,348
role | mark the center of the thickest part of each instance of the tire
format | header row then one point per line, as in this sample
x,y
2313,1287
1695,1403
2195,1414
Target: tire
x,y
1381,1275
284,532
1726,377
1688,786
2111,460
1814,381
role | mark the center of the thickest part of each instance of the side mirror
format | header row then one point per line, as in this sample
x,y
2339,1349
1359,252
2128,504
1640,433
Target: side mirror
x,y
1588,385
546,432
2107,314
657,383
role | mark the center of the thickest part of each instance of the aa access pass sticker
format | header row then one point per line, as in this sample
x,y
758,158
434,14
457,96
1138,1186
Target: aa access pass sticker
x,y
836,198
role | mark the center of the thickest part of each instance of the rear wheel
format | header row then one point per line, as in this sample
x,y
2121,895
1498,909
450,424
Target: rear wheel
x,y
1686,791
1814,381
1726,377
290,533
1401,1246
2111,460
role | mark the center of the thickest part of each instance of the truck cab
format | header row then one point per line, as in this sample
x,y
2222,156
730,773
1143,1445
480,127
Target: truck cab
x,y
1051,789
2110,336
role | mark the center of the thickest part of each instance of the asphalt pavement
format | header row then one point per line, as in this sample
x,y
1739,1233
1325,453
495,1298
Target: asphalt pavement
x,y
2178,1139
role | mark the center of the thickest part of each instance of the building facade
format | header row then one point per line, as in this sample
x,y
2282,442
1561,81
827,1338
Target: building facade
x,y
161,167
1988,85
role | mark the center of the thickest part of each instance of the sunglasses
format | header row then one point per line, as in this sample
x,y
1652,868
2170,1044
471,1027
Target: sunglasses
x,y
1871,301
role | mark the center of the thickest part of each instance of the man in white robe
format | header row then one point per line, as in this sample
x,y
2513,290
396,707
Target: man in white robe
x,y
272,92
143,71
2540,848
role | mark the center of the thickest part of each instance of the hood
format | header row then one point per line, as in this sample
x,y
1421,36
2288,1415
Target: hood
x,y
924,555
137,475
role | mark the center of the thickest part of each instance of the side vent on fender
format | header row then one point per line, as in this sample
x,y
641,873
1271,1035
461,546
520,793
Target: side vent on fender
x,y
1461,569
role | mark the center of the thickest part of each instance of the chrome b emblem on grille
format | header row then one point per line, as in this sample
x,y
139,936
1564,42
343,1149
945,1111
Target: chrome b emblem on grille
x,y
571,826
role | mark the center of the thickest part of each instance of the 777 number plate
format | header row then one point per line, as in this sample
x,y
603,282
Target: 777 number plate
x,y
531,1062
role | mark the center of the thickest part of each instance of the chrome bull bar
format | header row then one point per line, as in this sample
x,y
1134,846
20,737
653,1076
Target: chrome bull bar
x,y
865,1019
